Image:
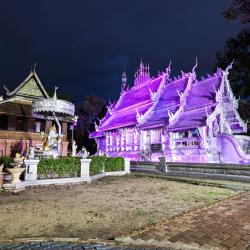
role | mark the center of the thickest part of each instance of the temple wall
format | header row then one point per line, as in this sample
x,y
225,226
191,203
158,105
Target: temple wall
x,y
230,150
189,155
204,149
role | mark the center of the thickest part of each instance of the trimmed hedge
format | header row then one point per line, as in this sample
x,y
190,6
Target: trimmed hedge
x,y
114,164
61,167
97,165
107,164
6,160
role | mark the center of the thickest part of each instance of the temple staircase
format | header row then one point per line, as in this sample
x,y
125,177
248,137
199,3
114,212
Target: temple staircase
x,y
211,171
231,172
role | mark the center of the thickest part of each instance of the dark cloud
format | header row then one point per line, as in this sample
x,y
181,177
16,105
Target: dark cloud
x,y
81,45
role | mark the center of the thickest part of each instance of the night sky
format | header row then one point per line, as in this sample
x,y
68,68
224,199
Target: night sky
x,y
81,46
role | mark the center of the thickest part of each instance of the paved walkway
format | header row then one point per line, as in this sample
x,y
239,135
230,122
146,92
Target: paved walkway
x,y
66,246
223,226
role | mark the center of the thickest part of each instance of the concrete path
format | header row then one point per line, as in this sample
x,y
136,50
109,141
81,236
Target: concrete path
x,y
225,225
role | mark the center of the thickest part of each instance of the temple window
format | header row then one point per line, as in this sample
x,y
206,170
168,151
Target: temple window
x,y
21,124
187,139
4,122
129,137
39,126
155,136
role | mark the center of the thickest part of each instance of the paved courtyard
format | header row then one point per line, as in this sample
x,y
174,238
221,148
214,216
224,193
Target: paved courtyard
x,y
225,225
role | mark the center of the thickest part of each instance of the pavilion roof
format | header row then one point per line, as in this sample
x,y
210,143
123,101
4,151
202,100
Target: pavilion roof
x,y
169,100
125,111
200,102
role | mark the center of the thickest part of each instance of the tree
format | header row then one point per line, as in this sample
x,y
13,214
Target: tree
x,y
240,9
93,109
238,49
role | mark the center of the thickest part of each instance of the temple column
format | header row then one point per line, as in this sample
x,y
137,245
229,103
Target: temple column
x,y
12,123
65,148
163,140
31,125
171,136
48,125
126,139
110,142
64,129
136,139
121,142
107,142
141,140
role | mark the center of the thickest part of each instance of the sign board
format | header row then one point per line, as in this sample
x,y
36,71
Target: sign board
x,y
156,147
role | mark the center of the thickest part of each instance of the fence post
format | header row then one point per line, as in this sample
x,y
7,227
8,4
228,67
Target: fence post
x,y
85,166
163,165
127,165
31,170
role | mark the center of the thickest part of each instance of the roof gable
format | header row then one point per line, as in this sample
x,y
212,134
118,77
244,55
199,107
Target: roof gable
x,y
30,88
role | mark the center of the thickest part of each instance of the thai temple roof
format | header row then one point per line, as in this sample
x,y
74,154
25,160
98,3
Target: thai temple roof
x,y
18,102
179,103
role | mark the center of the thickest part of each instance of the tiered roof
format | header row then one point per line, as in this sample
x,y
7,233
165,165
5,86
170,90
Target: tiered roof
x,y
178,104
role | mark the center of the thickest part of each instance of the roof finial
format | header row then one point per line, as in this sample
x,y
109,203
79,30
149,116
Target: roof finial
x,y
34,68
168,69
7,91
195,66
124,80
55,95
229,66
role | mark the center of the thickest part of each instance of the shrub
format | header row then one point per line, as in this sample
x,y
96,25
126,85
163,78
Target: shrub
x,y
5,160
61,167
97,165
114,164
109,164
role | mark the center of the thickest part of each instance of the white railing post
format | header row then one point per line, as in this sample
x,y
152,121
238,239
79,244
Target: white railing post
x,y
163,165
127,165
85,167
31,170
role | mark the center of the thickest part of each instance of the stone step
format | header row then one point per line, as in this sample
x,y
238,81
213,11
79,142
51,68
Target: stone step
x,y
228,177
211,170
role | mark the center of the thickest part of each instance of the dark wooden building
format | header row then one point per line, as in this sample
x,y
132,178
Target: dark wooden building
x,y
18,129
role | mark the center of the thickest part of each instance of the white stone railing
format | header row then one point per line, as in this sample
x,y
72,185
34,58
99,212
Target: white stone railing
x,y
31,175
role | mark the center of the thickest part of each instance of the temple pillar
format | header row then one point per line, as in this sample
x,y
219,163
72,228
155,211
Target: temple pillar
x,y
118,142
136,139
65,148
126,139
12,123
31,125
171,136
64,129
48,125
163,140
141,142
107,142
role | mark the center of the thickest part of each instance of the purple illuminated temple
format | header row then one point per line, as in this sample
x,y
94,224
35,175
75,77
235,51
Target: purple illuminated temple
x,y
182,118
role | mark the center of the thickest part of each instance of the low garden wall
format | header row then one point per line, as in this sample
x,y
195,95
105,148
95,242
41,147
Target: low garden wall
x,y
68,170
